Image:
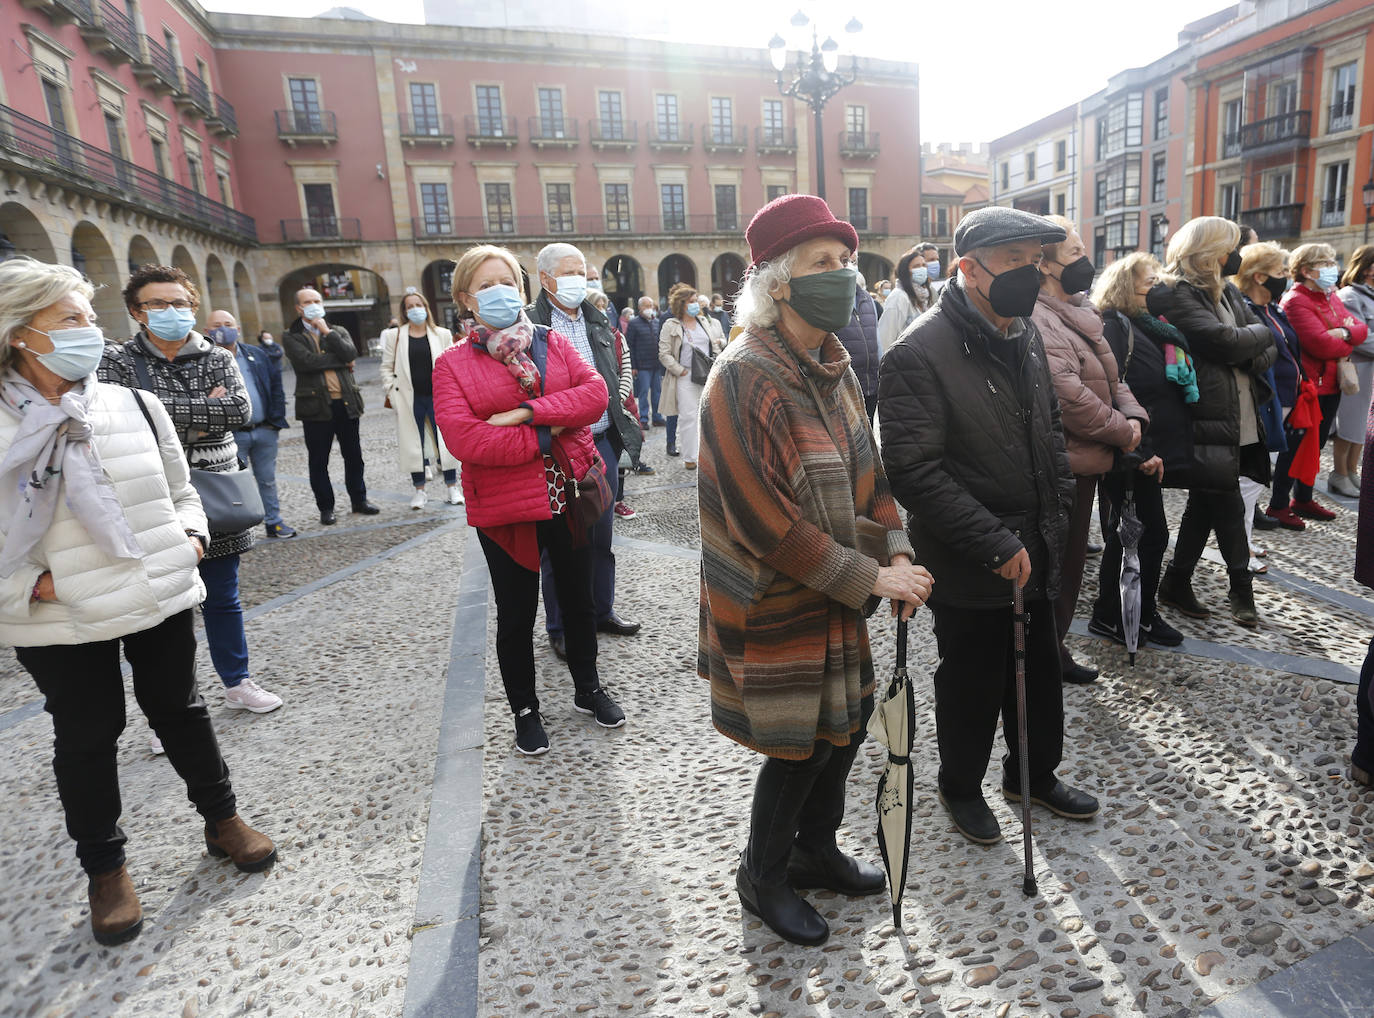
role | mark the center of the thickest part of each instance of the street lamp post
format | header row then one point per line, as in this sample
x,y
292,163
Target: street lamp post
x,y
816,79
1367,192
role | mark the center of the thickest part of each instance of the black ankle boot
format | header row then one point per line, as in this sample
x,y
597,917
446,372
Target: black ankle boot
x,y
1176,591
830,868
785,912
1242,598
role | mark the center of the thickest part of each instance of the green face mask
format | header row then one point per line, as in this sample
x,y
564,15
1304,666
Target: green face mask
x,y
824,300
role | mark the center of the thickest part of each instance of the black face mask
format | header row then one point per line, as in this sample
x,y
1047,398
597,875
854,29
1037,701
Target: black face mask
x,y
1077,276
1232,264
1012,293
1277,287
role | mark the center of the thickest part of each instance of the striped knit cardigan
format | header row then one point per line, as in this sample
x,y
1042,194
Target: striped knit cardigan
x,y
782,636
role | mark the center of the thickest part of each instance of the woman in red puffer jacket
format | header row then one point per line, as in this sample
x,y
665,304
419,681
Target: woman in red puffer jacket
x,y
1326,333
522,432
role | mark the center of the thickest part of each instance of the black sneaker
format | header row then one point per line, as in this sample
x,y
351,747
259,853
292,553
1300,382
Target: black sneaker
x,y
1263,521
1159,632
973,819
1079,675
530,737
599,704
1111,630
280,530
644,470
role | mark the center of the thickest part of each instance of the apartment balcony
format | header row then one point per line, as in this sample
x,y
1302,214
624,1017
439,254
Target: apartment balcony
x,y
225,121
112,34
1230,145
725,139
490,132
196,97
537,227
671,138
1333,212
297,127
427,129
553,132
1273,134
859,144
65,12
1274,220
870,226
31,147
329,230
1341,115
775,141
613,135
155,69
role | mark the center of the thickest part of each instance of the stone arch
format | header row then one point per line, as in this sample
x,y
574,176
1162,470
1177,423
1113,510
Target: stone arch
x,y
874,268
141,252
21,233
181,259
355,297
436,281
217,295
250,320
727,272
93,256
674,269
623,279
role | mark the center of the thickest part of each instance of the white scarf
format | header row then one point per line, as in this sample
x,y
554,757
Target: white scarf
x,y
52,454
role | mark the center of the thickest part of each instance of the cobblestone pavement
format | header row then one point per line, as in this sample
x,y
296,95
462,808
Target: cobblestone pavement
x,y
1229,846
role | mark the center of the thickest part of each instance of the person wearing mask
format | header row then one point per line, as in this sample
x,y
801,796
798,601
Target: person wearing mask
x,y
788,464
1102,421
1230,350
719,313
1357,295
204,394
328,402
407,371
627,397
1144,348
257,443
860,340
642,336
519,422
1327,333
689,329
974,449
931,254
562,305
908,300
100,558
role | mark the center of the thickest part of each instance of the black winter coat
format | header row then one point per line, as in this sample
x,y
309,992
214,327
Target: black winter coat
x,y
1217,348
1170,434
336,353
860,338
642,336
974,450
1288,366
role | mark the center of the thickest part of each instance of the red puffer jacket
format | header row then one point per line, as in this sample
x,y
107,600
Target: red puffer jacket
x,y
503,467
1313,314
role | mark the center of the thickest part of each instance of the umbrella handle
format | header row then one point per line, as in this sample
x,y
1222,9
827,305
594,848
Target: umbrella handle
x,y
1028,885
901,637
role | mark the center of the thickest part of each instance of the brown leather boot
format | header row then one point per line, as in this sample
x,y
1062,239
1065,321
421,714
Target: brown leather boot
x,y
116,915
251,851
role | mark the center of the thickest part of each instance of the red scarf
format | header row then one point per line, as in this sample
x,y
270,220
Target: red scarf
x,y
509,346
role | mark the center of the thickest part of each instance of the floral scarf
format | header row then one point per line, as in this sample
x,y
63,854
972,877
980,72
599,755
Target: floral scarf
x,y
510,346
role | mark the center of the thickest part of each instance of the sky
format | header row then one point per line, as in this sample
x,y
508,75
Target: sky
x,y
987,67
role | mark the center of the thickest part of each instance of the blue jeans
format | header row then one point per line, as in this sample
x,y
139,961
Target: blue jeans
x,y
258,448
672,431
648,384
224,619
603,561
424,414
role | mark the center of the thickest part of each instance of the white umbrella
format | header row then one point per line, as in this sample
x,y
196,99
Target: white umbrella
x,y
892,725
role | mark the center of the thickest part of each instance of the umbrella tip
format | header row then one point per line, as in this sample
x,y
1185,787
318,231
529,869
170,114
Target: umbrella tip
x,y
1029,888
1132,657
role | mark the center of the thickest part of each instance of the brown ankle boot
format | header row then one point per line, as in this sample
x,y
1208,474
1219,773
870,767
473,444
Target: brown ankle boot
x,y
116,915
251,851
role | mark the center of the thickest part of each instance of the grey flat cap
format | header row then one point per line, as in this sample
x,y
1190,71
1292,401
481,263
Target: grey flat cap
x,y
995,224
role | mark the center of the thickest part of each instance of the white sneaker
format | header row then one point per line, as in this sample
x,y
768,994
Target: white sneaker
x,y
417,501
248,695
455,494
429,473
155,744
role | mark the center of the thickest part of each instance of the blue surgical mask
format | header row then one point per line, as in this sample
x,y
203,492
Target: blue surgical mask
x,y
225,335
314,312
75,352
694,309
417,315
934,269
1329,277
499,306
593,284
919,276
170,324
572,290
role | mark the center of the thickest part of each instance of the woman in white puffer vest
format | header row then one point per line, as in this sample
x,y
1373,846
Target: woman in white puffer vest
x,y
100,535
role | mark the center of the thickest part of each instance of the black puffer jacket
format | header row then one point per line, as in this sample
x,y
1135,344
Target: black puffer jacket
x,y
860,338
974,450
1170,434
1217,348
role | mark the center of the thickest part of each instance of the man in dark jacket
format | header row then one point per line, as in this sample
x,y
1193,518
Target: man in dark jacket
x,y
642,335
328,402
563,307
860,338
974,449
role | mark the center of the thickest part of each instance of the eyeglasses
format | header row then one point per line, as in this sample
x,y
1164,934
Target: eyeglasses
x,y
163,305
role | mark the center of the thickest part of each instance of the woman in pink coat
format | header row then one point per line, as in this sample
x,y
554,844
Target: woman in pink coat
x,y
514,402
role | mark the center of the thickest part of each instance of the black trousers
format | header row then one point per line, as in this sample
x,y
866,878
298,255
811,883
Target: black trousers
x,y
517,599
976,682
1206,511
1149,509
1075,556
870,405
319,443
799,800
1362,756
84,693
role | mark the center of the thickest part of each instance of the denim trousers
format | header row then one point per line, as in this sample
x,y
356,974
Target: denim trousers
x,y
223,616
424,416
258,448
648,388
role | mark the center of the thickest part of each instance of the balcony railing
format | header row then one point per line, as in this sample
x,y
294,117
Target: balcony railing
x,y
609,133
426,128
725,139
584,226
295,126
112,34
197,93
1341,115
31,146
483,131
1274,220
859,144
1333,211
671,137
553,132
156,69
775,140
225,121
1230,145
82,11
321,228
1285,130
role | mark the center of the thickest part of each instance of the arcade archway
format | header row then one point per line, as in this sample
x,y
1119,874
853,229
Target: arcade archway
x,y
94,258
672,270
217,294
874,268
141,252
623,280
354,297
22,234
727,272
250,321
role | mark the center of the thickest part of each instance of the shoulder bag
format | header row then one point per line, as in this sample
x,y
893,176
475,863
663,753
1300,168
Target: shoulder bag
x,y
591,493
1347,379
701,363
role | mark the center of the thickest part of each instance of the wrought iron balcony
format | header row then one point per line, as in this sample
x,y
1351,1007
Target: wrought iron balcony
x,y
296,126
1333,212
197,94
66,11
155,69
321,229
671,137
225,121
483,131
775,141
426,129
725,139
859,144
1274,220
608,225
610,133
1230,145
1341,115
112,34
1287,130
553,132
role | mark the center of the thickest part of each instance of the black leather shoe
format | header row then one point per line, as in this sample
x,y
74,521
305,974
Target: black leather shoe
x,y
783,910
1361,776
1263,521
365,508
1080,675
559,645
973,819
1059,798
833,870
673,451
328,518
616,626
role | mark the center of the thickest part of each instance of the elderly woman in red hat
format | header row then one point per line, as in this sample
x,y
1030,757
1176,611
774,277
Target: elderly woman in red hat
x,y
787,465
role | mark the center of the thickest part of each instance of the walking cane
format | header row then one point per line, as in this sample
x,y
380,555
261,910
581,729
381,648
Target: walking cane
x,y
1028,886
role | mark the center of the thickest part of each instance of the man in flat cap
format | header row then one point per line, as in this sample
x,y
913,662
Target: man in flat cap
x,y
974,450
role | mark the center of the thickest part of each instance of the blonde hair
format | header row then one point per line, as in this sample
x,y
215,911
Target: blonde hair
x,y
1197,251
473,259
1304,256
1115,288
1263,257
28,286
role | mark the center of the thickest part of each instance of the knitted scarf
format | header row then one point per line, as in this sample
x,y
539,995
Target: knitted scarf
x,y
1178,359
510,346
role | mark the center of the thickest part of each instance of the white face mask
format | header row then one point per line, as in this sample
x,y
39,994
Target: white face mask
x,y
647,313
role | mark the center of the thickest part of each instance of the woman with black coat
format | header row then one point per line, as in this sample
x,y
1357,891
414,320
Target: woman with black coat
x,y
1231,350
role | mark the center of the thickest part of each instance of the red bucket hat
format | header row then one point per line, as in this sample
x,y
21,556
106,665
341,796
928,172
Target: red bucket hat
x,y
790,220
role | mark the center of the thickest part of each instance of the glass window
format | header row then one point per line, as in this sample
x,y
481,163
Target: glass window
x,y
925,220
320,217
612,116
1279,188
1124,122
558,197
665,113
112,136
772,122
500,210
193,173
1283,98
1123,183
424,108
855,124
674,205
1059,202
858,207
305,104
551,113
1006,175
434,206
1030,167
727,208
1123,233
226,194
942,221
1061,156
775,191
1342,113
722,120
1335,182
1100,194
1101,135
1229,203
1159,178
489,119
618,207
159,157
1161,113
1231,121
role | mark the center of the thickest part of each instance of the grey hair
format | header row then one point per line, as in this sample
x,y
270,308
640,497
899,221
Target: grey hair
x,y
551,254
27,286
755,307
